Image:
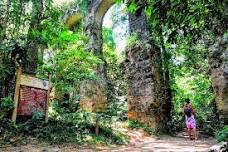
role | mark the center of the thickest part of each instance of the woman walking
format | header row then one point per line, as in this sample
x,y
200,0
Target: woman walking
x,y
190,119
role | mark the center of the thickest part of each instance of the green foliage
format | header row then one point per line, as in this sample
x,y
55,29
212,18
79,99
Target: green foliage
x,y
132,40
37,115
6,104
50,29
52,132
71,64
118,1
189,79
182,29
132,7
148,10
23,23
68,63
70,128
117,106
134,124
5,63
65,106
222,135
108,37
66,60
108,136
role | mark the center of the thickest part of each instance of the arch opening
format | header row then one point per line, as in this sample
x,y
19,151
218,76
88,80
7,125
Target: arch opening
x,y
115,30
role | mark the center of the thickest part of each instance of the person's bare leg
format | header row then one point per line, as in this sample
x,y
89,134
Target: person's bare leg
x,y
189,133
194,133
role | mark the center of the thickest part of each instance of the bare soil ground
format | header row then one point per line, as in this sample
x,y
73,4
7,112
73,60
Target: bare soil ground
x,y
139,142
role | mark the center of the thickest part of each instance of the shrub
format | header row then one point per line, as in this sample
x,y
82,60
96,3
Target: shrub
x,y
222,135
69,128
134,124
132,40
6,105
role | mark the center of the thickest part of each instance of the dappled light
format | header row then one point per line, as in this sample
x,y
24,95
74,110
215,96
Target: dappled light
x,y
113,75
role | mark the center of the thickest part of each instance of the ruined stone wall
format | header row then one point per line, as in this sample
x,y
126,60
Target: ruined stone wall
x,y
145,96
93,93
143,68
93,96
218,62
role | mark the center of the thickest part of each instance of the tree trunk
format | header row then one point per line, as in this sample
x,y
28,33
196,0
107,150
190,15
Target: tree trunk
x,y
31,63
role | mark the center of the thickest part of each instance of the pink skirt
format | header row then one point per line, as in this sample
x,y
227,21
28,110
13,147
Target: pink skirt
x,y
190,122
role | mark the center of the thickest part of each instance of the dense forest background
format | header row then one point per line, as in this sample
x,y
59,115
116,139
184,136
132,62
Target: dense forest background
x,y
47,38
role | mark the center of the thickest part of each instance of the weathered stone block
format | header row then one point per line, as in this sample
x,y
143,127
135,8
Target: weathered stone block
x,y
218,61
93,96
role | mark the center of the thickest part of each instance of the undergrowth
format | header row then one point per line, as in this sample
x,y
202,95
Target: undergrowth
x,y
57,132
222,135
134,124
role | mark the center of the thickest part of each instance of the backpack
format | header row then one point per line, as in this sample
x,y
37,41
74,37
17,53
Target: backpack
x,y
188,111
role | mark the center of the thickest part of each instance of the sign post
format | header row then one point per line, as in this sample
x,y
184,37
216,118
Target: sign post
x,y
48,98
16,94
31,94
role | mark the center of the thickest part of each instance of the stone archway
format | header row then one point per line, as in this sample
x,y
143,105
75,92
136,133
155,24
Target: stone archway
x,y
145,95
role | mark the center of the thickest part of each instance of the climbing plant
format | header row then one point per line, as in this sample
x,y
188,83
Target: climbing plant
x,y
116,78
184,30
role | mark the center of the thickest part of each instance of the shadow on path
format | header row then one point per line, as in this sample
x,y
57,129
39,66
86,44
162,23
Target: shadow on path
x,y
139,142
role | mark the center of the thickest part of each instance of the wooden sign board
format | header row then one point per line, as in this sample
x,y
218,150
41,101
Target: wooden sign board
x,y
30,100
30,81
31,94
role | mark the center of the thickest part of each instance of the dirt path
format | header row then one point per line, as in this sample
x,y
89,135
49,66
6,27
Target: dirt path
x,y
138,143
141,143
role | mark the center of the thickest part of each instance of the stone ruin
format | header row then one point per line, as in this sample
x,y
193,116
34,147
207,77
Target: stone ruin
x,y
146,93
145,84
